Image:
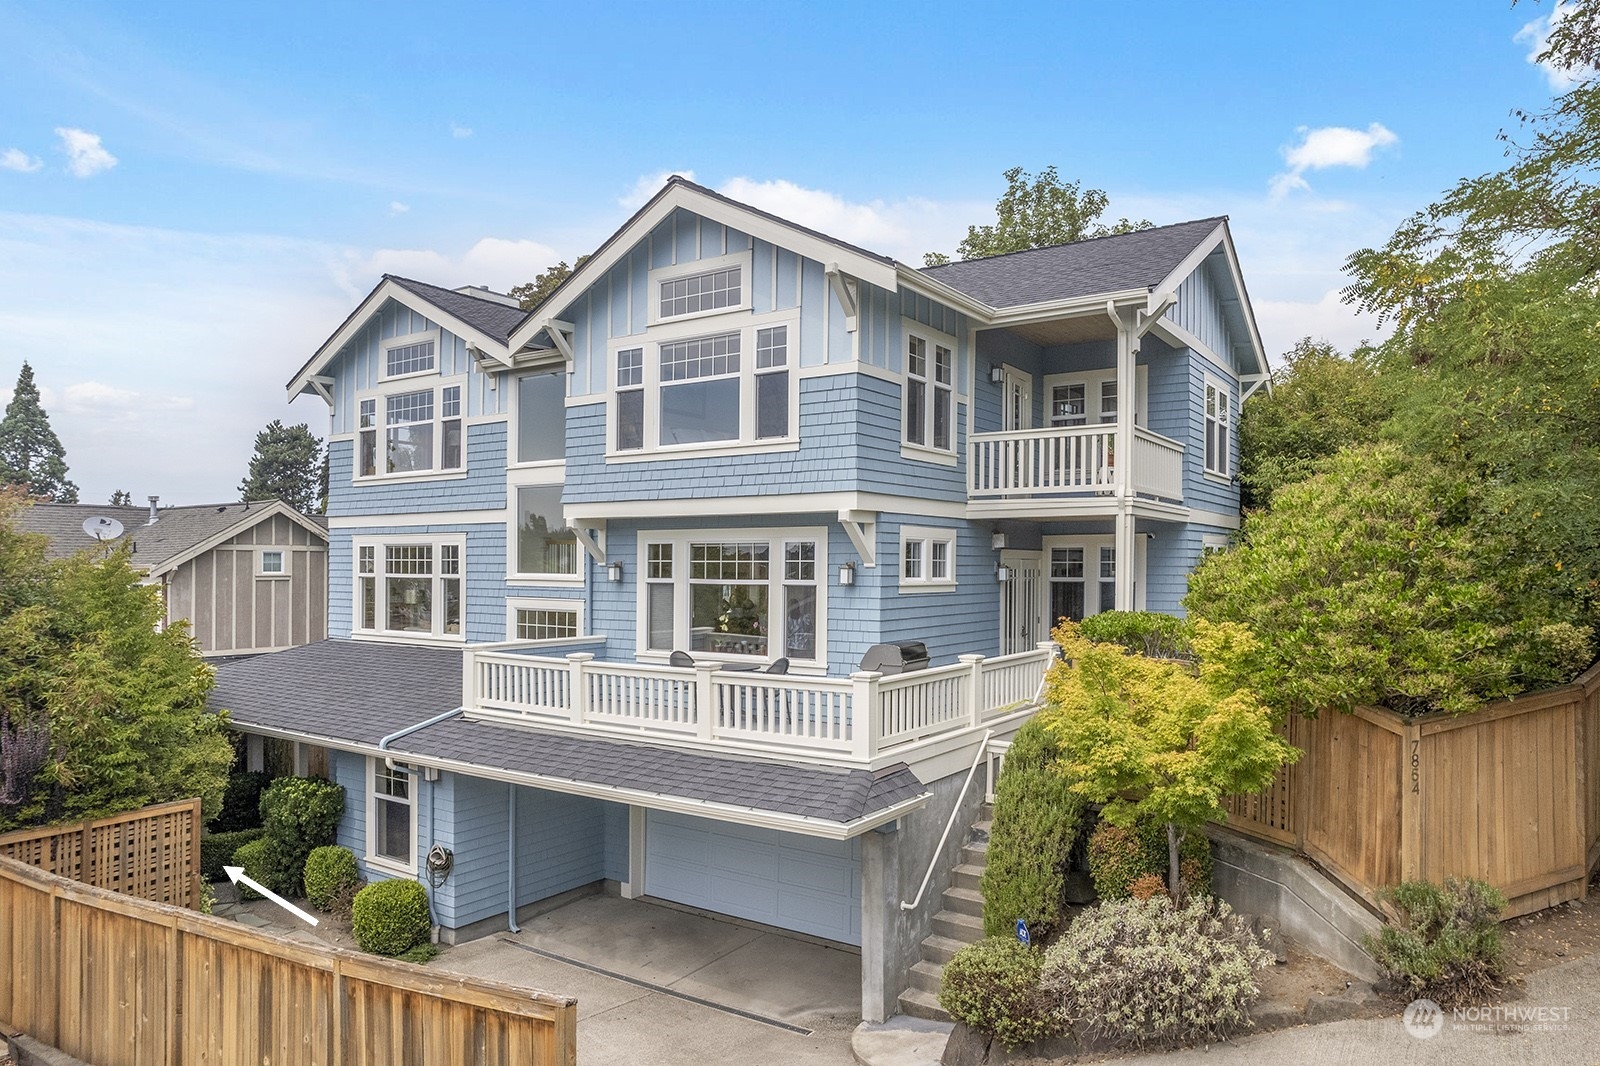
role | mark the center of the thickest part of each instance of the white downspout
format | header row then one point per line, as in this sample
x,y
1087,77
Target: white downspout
x,y
511,858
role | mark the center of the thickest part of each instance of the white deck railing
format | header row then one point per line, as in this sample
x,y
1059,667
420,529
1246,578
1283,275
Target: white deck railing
x,y
712,708
1070,459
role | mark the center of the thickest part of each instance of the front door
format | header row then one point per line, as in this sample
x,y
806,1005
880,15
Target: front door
x,y
1016,410
1022,623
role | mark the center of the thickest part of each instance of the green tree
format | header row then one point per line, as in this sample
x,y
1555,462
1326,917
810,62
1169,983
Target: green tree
x,y
288,466
1155,742
533,293
1036,211
1320,402
1376,582
30,452
121,498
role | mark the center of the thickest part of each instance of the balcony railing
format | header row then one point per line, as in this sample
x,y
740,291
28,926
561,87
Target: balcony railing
x,y
1070,460
854,720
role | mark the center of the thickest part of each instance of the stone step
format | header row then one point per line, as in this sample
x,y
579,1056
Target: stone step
x,y
920,1004
967,876
964,901
975,853
941,949
966,928
926,976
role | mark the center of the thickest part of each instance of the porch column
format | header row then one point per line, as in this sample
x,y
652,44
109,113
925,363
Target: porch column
x,y
1127,401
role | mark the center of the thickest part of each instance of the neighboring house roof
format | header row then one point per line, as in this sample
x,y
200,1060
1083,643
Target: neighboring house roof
x,y
179,533
1138,260
348,692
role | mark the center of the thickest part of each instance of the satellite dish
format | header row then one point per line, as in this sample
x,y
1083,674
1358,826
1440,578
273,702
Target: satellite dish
x,y
103,528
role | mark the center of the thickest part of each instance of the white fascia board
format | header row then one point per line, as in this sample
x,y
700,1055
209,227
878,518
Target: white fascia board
x,y
827,503
1077,307
246,521
388,289
721,812
1222,238
784,235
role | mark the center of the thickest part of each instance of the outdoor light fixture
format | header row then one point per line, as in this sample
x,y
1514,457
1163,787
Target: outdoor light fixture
x,y
995,374
614,573
999,541
847,575
1002,574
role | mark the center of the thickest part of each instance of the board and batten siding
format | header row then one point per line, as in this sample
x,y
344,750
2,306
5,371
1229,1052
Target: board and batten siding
x,y
1199,310
233,611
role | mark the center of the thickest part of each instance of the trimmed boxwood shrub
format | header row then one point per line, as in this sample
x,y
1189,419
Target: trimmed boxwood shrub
x,y
1037,819
299,815
390,917
1118,857
993,986
259,857
216,851
1448,947
330,870
1144,971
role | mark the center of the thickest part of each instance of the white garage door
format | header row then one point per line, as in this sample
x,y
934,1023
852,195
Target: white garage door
x,y
783,879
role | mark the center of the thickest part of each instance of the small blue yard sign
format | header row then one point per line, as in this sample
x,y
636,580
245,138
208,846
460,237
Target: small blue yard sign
x,y
1022,931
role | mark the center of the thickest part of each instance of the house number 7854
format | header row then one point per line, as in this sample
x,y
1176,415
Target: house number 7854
x,y
1416,767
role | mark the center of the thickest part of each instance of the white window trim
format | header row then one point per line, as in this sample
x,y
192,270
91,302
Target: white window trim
x,y
403,341
379,614
710,265
534,480
676,330
410,383
927,453
1226,473
1091,545
383,862
1091,380
527,603
927,536
261,560
514,420
680,540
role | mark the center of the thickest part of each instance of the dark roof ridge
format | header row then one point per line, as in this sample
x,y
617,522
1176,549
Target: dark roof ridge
x,y
1080,240
402,279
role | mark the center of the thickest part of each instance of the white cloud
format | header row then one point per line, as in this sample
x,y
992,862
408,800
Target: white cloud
x,y
460,132
18,160
398,208
86,156
1330,146
647,186
103,403
496,262
1536,34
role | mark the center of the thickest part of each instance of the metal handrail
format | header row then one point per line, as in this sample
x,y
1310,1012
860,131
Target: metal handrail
x,y
983,748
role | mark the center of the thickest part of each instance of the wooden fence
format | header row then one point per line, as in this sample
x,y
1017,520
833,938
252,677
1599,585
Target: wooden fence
x,y
1510,794
124,982
152,853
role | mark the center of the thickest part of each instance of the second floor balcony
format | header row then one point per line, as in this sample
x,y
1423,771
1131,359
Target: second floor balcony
x,y
1042,464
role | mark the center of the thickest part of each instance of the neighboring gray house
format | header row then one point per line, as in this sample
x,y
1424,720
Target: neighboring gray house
x,y
249,577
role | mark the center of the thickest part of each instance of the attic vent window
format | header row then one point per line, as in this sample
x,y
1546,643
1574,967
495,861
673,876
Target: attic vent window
x,y
710,291
409,359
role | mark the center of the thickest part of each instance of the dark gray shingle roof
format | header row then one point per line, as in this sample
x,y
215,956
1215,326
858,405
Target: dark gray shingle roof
x,y
493,318
359,692
1082,268
179,528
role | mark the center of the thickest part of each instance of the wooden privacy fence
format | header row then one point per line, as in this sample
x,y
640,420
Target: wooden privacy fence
x,y
1510,794
152,853
124,982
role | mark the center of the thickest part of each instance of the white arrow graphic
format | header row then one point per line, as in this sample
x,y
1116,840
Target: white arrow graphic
x,y
237,874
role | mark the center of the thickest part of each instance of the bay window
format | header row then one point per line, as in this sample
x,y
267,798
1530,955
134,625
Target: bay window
x,y
752,594
409,587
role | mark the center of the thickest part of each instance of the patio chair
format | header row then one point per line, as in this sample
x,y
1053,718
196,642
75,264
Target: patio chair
x,y
778,666
681,658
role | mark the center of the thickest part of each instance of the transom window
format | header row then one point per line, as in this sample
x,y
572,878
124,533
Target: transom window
x,y
411,588
1218,419
409,358
712,290
929,401
755,597
393,817
420,431
927,559
545,623
544,544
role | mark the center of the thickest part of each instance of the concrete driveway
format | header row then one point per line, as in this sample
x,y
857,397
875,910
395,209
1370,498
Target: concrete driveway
x,y
658,985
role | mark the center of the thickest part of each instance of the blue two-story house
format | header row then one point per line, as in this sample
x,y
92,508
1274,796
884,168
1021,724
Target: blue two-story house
x,y
607,579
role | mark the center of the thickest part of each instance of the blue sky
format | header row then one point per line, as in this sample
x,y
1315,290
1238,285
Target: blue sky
x,y
193,195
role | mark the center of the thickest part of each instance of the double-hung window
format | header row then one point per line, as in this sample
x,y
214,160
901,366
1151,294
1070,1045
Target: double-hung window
x,y
927,559
700,389
1218,419
754,594
928,414
410,587
392,823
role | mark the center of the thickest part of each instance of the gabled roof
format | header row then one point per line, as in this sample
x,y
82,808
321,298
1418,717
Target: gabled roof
x,y
1138,260
484,324
179,534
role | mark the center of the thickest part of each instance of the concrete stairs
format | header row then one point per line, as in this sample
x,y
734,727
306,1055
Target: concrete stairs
x,y
957,924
